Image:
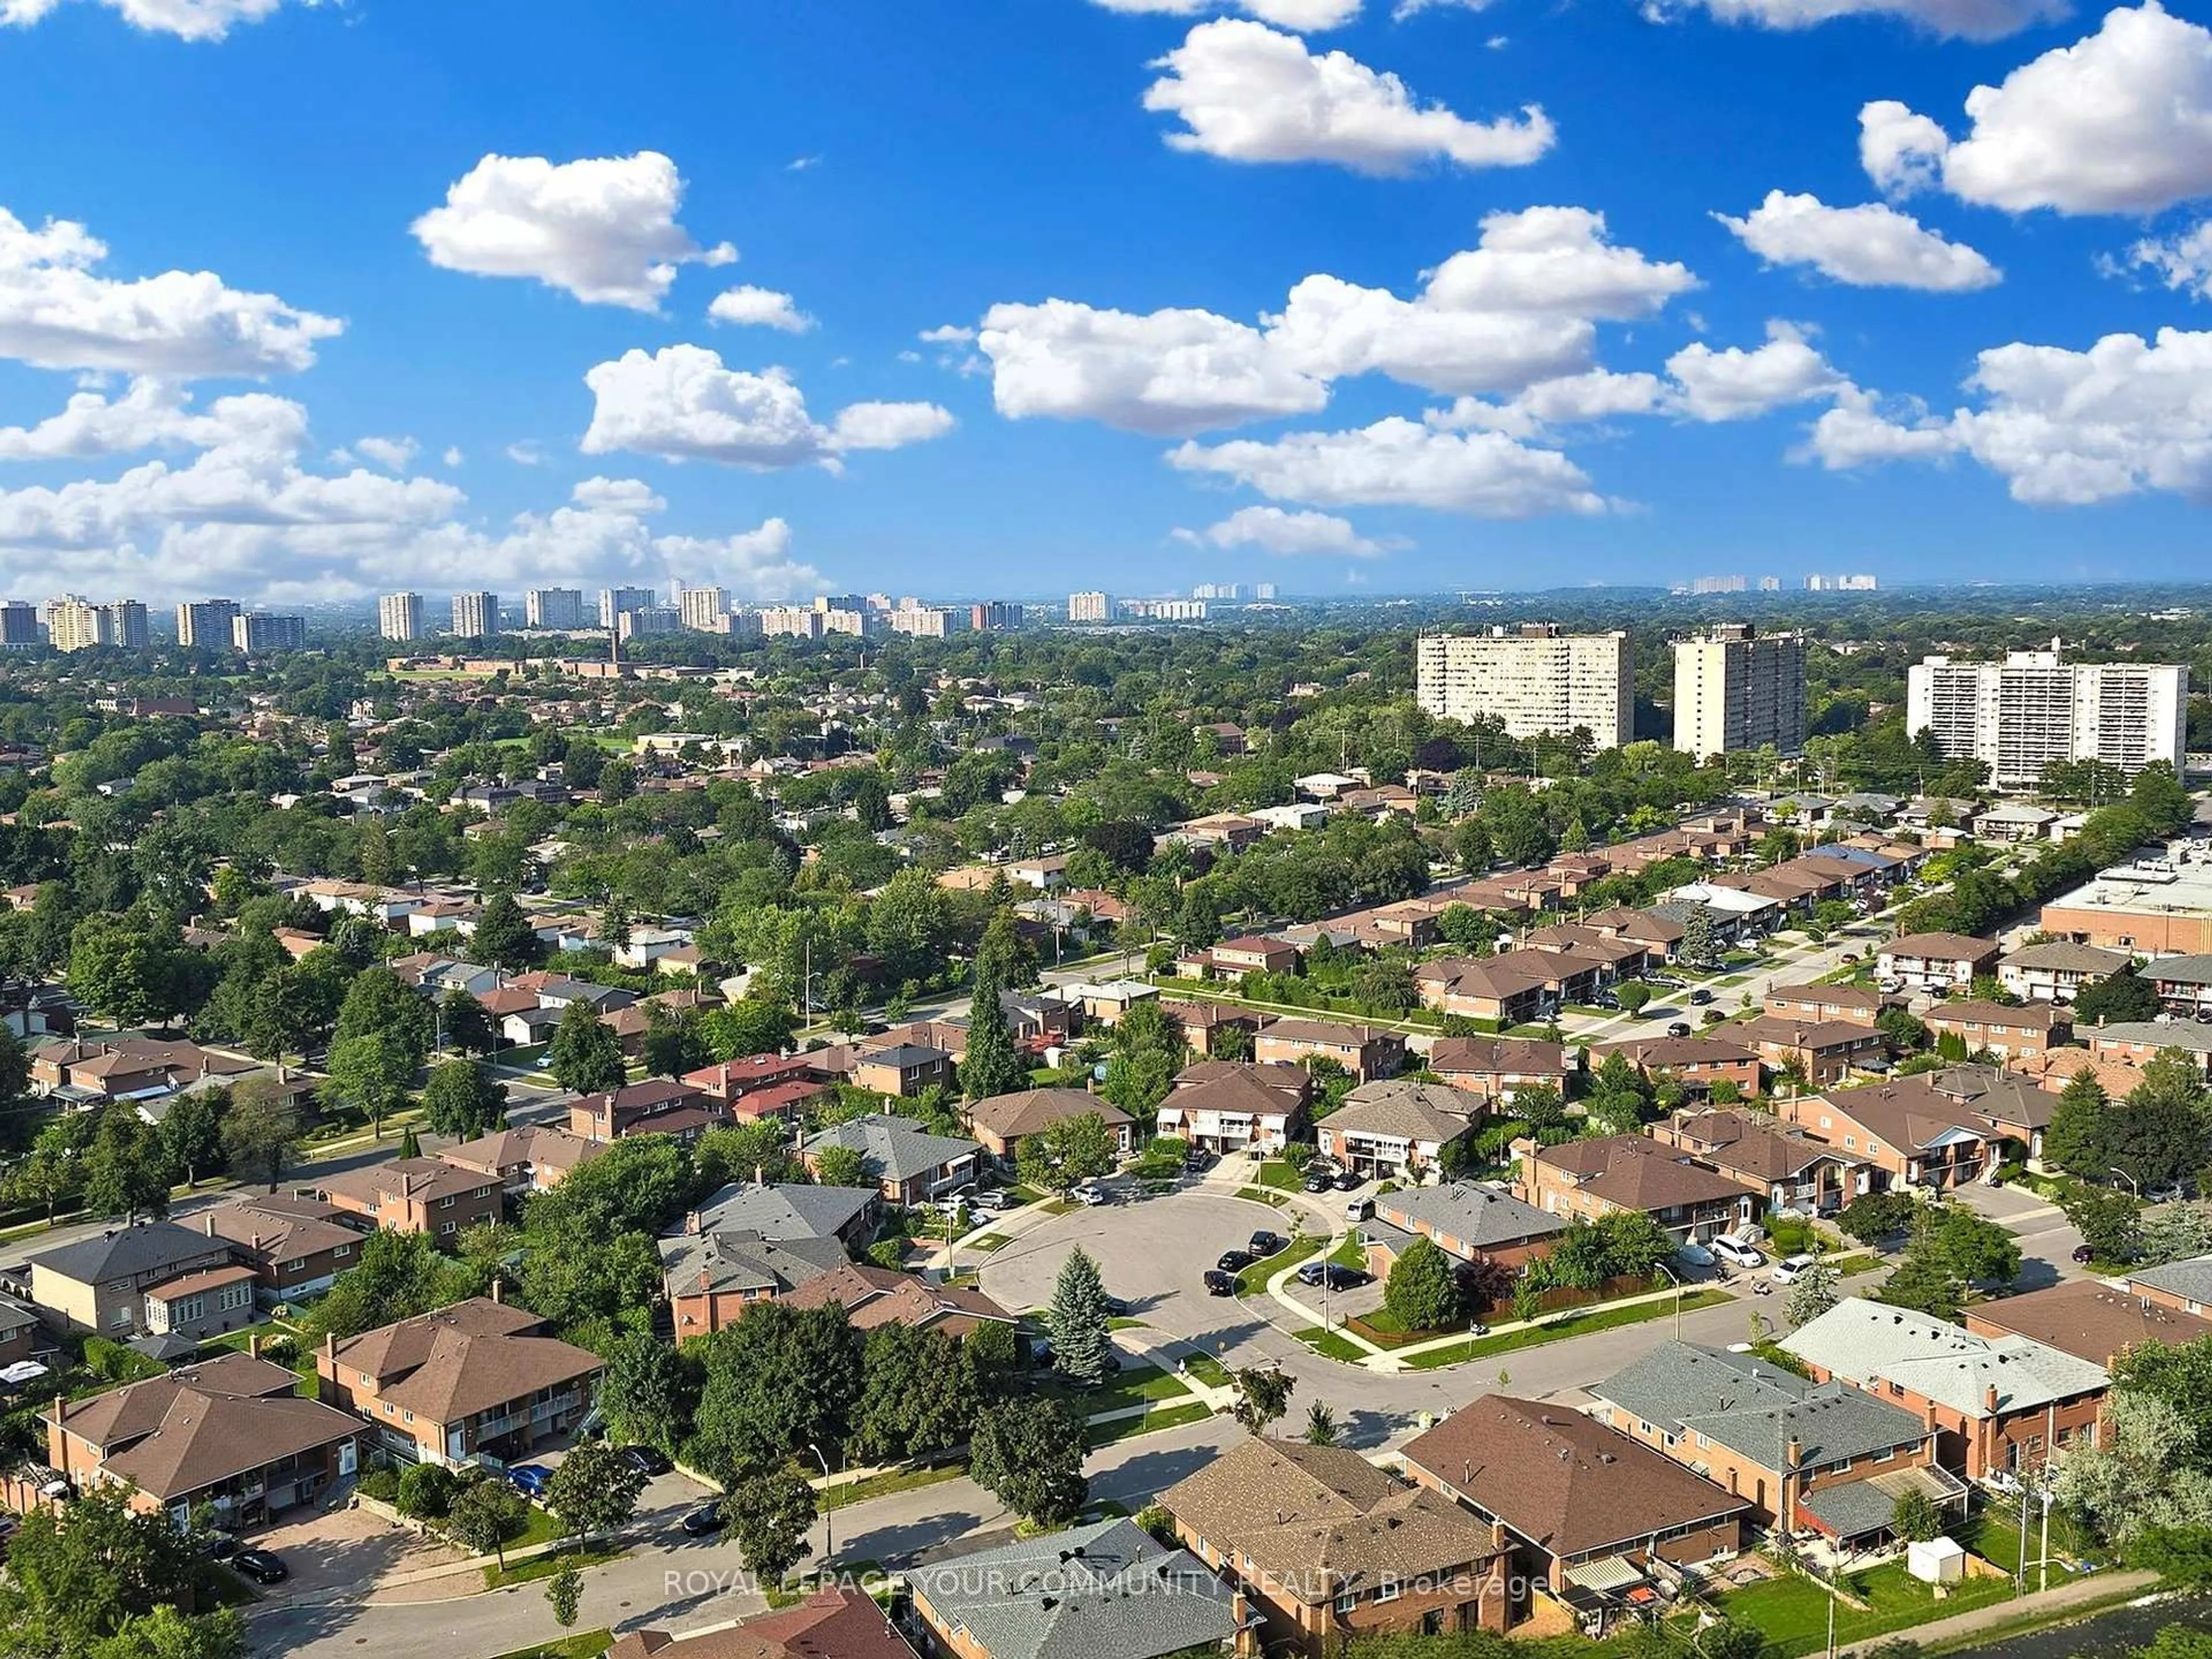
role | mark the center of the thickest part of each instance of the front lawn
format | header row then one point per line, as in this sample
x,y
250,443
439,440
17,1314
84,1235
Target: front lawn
x,y
879,1486
1793,1610
1253,1280
1160,1416
1330,1346
583,1644
1280,1176
1556,1330
1207,1370
1272,1195
544,1566
1137,1383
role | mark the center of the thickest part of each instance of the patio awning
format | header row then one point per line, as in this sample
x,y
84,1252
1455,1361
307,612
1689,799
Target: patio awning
x,y
1609,1576
1862,1508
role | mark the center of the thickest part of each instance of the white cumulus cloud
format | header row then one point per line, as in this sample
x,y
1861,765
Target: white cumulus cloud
x,y
1271,530
681,404
604,230
392,455
1247,92
1901,151
57,310
1872,246
759,308
1306,17
187,20
1400,463
2119,122
1737,385
1973,19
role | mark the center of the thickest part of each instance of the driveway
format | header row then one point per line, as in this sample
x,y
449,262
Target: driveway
x,y
347,1548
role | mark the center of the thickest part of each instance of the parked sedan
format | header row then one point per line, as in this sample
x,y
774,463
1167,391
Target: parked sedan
x,y
704,1521
1791,1268
1334,1275
1319,1180
262,1566
1218,1283
647,1460
1234,1262
1088,1195
529,1479
1680,1027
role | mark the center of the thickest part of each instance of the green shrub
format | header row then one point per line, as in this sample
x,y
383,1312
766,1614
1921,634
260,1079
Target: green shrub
x,y
280,1350
383,1485
426,1492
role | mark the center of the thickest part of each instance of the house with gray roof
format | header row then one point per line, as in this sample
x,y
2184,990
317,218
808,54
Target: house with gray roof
x,y
2184,1285
2056,969
784,1210
1109,1591
2183,984
2138,1041
908,1163
1794,1447
101,1285
1995,1402
1469,1220
711,1278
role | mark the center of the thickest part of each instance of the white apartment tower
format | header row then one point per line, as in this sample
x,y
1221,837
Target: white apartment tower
x,y
206,623
1531,679
613,601
703,608
1092,607
1736,689
476,616
75,624
553,607
2035,707
399,616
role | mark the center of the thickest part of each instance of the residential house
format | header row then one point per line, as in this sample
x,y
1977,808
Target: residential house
x,y
1105,1590
414,1195
1496,1068
1811,1456
1204,1023
1849,1005
1936,963
763,1086
1796,1172
2137,1042
2013,821
1587,1515
840,1622
791,1210
657,1106
1223,1106
478,1377
2019,1033
1001,1124
711,1278
2183,983
2056,970
904,1070
1397,1130
1251,954
1368,1052
1660,936
908,1163
101,1285
872,1296
296,1247
230,1433
92,1072
1695,1062
2088,1319
1106,1002
1471,1221
532,1158
1823,1054
2185,1286
1331,1550
19,1331
1935,1129
1994,1403
1586,1180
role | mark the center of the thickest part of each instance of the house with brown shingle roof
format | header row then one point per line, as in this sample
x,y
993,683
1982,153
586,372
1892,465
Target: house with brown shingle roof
x,y
413,1195
1798,1173
1002,1122
1221,1106
1936,1129
296,1246
1941,963
1367,1052
1591,1179
843,1622
1583,1506
479,1377
872,1296
1332,1549
1398,1127
1495,1068
532,1158
232,1432
2088,1319
1696,1062
1825,1051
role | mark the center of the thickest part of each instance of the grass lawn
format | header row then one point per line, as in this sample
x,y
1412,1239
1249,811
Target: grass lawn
x,y
1253,1280
1279,1174
1207,1370
1347,1254
1859,1261
1125,1324
1793,1611
544,1566
583,1644
987,1241
1581,1324
1264,1196
539,1527
879,1486
1160,1416
1330,1346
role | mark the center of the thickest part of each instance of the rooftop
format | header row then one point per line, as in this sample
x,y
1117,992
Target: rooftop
x,y
1865,1341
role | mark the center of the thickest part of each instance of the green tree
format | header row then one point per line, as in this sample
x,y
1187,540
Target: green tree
x,y
504,937
1076,1320
398,1276
1811,1294
81,1576
1922,1282
463,1100
649,1392
842,1166
1322,1428
564,1594
919,1396
673,1043
585,1056
378,1003
2122,996
192,1133
1263,1396
485,1514
1027,1454
778,1380
2109,1223
2074,1140
465,1022
1916,1519
770,1511
1148,1051
593,1489
749,1026
261,1132
1872,1216
1062,1156
1422,1293
119,967
125,1173
371,1073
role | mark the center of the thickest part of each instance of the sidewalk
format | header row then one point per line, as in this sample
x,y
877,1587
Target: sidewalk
x,y
2097,1587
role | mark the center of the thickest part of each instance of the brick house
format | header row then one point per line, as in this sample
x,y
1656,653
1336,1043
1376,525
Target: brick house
x,y
1494,1067
1937,962
1470,1221
904,1069
532,1158
1223,1106
2056,970
841,1622
1579,1507
1811,1456
1001,1124
295,1246
19,1331
1330,1549
657,1105
1368,1052
1994,1403
1935,1129
1398,1129
414,1195
2088,1319
2185,1286
909,1163
231,1432
1588,1179
479,1377
1852,1005
2020,1033
1795,1173
1203,1022
1695,1062
99,1286
1825,1054
1254,953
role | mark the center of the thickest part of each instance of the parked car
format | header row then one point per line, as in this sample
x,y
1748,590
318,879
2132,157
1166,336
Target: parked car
x,y
1197,1159
529,1479
1791,1268
952,1203
1606,999
1333,1274
704,1521
1218,1283
647,1460
1680,1027
2083,1254
1319,1180
1349,1179
1234,1262
1359,1209
996,1199
2003,1482
2171,1192
1087,1195
1263,1243
262,1566
1693,1256
216,1545
1700,997
1738,1252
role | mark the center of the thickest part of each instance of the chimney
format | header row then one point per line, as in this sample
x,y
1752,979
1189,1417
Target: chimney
x,y
331,1346
704,1279
1990,1400
207,1224
1795,1452
498,1288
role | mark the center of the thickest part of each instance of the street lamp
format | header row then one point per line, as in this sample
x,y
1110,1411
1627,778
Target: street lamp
x,y
2134,1186
829,1525
1673,1279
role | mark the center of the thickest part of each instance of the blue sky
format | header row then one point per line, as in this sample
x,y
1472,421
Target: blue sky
x,y
1659,397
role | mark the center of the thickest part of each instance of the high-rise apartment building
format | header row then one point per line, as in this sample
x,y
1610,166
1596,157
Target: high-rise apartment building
x,y
613,601
995,618
1736,689
19,624
860,602
1089,608
640,621
399,616
476,616
1263,590
553,607
927,621
704,609
1719,585
257,631
2035,707
1531,679
75,624
1166,610
798,621
127,623
206,622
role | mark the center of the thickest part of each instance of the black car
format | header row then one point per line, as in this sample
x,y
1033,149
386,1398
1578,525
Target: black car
x,y
2083,1254
1348,1180
262,1566
1197,1159
1218,1283
1700,997
1234,1262
218,1546
704,1521
1318,1181
647,1460
1680,1027
1263,1243
1116,1307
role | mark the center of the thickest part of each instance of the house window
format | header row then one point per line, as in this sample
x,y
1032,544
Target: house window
x,y
1642,1427
446,1202
295,1264
120,1319
407,1417
1387,1590
445,1227
1345,1602
339,1252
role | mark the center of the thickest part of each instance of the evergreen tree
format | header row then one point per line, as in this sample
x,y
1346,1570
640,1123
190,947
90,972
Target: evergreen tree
x,y
1076,1320
504,937
991,1066
1422,1293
